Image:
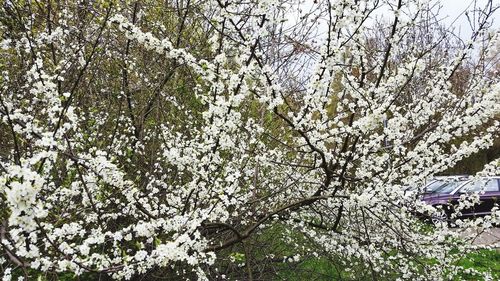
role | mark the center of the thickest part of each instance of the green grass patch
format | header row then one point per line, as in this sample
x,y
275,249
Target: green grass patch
x,y
482,261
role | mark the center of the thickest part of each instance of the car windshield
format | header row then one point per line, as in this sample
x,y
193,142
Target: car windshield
x,y
447,187
434,185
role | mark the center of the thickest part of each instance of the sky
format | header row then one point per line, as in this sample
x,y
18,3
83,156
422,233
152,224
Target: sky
x,y
453,10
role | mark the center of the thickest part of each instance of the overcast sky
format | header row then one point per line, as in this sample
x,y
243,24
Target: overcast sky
x,y
455,8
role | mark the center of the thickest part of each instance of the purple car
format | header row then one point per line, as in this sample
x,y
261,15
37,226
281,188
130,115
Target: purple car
x,y
448,195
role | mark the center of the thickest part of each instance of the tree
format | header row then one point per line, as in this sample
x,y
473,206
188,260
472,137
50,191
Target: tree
x,y
183,140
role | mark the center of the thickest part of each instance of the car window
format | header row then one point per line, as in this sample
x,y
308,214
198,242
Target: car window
x,y
448,187
474,186
434,185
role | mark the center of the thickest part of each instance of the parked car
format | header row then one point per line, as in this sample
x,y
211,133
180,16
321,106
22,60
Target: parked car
x,y
448,195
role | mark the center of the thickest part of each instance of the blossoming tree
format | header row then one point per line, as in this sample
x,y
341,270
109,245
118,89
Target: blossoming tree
x,y
217,139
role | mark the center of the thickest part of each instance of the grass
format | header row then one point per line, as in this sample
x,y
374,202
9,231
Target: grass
x,y
482,260
322,269
319,269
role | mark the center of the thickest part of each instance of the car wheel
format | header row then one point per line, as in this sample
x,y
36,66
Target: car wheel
x,y
440,217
